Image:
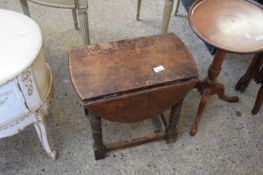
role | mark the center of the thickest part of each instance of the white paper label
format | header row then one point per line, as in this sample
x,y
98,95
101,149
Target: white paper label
x,y
259,38
158,69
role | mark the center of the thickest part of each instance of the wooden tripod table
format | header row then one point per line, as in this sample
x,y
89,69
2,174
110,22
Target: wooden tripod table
x,y
232,26
130,81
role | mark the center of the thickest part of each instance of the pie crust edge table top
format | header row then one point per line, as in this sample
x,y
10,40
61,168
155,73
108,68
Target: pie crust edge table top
x,y
108,61
234,26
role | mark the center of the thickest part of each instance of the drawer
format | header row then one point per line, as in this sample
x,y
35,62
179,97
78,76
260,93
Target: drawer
x,y
12,103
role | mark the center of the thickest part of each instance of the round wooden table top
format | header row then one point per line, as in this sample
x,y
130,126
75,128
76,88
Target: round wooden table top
x,y
231,25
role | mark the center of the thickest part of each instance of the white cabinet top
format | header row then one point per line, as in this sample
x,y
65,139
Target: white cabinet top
x,y
20,43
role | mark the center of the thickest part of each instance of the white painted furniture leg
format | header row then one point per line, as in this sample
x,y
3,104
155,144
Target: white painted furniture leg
x,y
139,2
83,21
177,7
75,18
25,7
168,7
41,132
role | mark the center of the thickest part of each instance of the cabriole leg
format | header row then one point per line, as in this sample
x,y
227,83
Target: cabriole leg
x,y
42,134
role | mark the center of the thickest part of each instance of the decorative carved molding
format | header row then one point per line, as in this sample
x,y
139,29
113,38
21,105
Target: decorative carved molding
x,y
26,77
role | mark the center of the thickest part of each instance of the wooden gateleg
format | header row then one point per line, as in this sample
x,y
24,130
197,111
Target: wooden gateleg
x,y
210,87
98,146
171,129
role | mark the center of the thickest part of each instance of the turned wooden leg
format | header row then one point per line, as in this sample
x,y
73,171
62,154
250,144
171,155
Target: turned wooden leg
x,y
25,7
168,7
177,7
75,18
139,2
210,86
200,111
215,68
83,21
247,77
173,120
259,101
98,146
213,73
